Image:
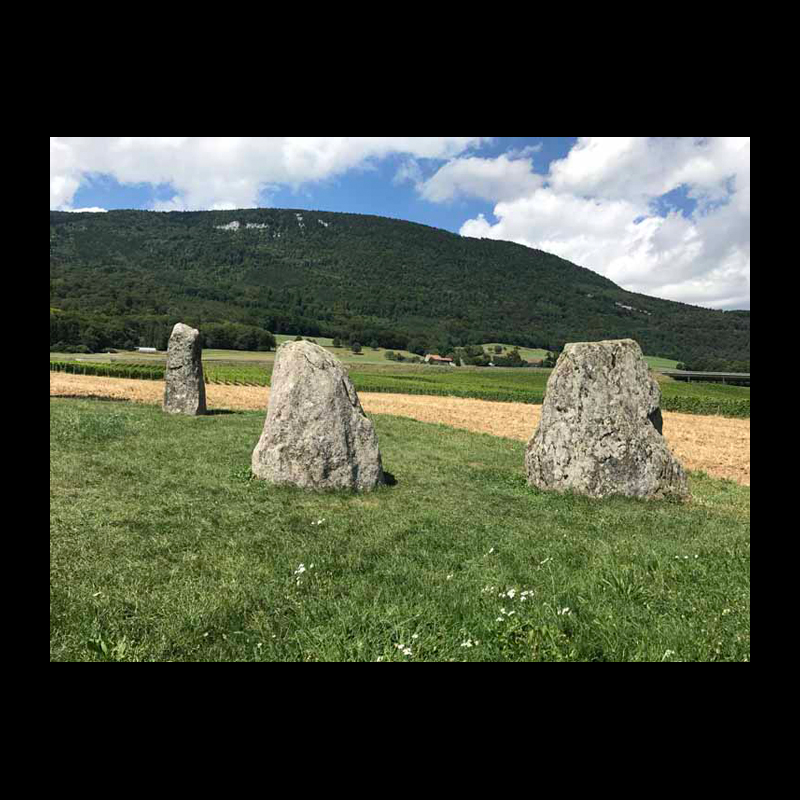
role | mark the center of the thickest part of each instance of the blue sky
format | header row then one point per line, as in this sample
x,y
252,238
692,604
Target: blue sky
x,y
668,217
369,189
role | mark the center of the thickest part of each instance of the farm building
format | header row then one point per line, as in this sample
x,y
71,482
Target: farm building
x,y
432,358
146,350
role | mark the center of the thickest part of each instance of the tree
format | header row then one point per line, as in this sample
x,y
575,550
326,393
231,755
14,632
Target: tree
x,y
416,346
355,347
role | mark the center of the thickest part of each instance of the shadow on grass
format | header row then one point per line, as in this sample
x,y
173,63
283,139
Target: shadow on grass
x,y
90,397
389,479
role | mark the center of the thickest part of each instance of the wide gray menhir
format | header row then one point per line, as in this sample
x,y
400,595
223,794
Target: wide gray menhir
x,y
185,391
316,435
600,430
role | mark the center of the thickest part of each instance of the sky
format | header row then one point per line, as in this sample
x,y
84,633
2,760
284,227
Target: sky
x,y
666,217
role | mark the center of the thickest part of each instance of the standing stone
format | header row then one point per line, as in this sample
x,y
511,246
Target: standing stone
x,y
316,434
185,392
600,431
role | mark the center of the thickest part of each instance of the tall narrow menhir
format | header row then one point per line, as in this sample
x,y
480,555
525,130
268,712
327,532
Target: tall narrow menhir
x,y
185,392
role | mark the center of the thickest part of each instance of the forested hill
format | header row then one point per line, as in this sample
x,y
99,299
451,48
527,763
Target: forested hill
x,y
124,277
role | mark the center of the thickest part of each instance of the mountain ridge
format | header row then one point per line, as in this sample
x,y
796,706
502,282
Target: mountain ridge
x,y
130,273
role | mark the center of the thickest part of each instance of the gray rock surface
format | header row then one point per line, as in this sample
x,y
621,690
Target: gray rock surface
x,y
185,392
316,435
600,431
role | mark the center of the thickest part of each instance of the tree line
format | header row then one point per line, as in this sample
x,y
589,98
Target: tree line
x,y
71,332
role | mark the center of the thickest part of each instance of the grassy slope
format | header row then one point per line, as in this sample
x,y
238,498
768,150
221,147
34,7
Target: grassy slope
x,y
529,354
162,549
368,355
656,362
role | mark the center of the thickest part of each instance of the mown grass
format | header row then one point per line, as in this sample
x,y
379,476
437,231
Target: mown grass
x,y
657,362
162,548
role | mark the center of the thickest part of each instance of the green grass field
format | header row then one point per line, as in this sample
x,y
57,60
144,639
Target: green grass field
x,y
163,549
527,353
656,362
345,354
530,354
368,355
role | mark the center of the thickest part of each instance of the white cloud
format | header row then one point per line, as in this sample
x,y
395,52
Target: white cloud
x,y
226,172
502,178
597,209
408,171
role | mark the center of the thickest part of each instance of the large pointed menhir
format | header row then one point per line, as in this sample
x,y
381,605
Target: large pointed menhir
x,y
316,435
185,391
600,431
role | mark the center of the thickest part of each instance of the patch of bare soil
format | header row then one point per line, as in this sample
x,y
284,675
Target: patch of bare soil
x,y
717,445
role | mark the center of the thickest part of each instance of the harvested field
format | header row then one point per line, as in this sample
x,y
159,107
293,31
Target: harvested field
x,y
719,446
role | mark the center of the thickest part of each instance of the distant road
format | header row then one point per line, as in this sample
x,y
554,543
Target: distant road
x,y
721,377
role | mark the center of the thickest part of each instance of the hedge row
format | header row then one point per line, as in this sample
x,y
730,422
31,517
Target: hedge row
x,y
707,406
230,376
496,395
235,376
684,405
152,372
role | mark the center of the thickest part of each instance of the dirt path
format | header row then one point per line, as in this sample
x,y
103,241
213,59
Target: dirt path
x,y
717,445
